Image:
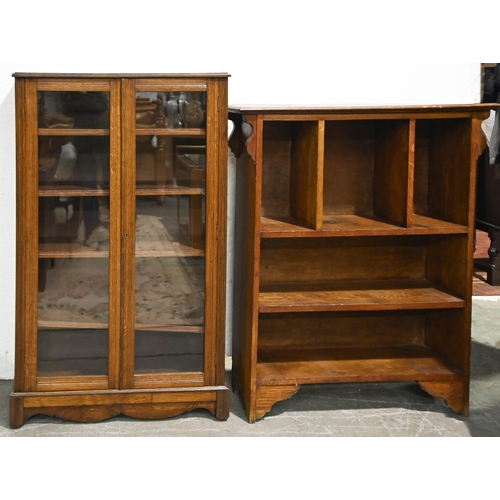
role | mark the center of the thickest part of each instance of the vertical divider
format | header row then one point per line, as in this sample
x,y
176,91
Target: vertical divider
x,y
211,227
391,177
306,173
320,186
411,173
114,235
128,179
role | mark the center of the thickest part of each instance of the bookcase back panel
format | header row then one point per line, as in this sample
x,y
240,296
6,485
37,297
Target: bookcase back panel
x,y
276,169
442,169
327,330
337,259
349,166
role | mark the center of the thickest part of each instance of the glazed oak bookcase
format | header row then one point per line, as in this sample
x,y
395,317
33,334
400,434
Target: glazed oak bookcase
x,y
121,248
354,243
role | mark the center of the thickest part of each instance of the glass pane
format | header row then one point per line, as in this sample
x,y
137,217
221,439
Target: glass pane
x,y
66,110
73,224
170,232
170,109
169,287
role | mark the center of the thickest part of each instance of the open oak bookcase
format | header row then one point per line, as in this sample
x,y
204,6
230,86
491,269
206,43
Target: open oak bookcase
x,y
353,248
121,245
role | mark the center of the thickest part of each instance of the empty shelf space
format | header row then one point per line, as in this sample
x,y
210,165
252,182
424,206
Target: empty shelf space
x,y
428,225
355,296
315,366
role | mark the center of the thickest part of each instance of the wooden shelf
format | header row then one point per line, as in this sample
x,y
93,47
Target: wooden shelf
x,y
169,191
77,325
318,366
356,225
67,190
355,296
175,249
73,132
173,132
69,251
56,191
143,249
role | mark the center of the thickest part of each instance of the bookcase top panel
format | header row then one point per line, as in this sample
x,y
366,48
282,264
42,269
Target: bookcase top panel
x,y
120,75
349,109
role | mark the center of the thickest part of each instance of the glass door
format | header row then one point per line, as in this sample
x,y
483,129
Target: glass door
x,y
166,184
77,218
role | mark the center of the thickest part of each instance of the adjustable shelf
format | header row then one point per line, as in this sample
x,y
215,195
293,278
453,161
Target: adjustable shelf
x,y
354,239
347,365
355,296
144,249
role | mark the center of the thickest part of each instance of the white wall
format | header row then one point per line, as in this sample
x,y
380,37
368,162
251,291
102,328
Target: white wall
x,y
300,54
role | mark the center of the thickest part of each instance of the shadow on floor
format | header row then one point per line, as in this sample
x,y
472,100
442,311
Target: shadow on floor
x,y
364,409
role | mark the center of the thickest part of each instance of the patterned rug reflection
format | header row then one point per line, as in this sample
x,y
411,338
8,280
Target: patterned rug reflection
x,y
167,291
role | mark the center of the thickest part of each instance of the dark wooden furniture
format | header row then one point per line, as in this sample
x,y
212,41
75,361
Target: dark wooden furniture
x,y
488,216
488,189
122,314
354,241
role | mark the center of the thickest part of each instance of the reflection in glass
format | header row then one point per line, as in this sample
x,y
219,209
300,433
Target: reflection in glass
x,y
169,280
73,202
73,312
171,109
66,110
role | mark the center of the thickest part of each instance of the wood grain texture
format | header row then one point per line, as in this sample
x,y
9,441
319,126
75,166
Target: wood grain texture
x,y
381,291
115,238
318,330
115,386
306,174
314,366
391,176
93,406
404,297
127,233
27,237
246,255
267,397
294,113
455,394
349,167
342,259
356,225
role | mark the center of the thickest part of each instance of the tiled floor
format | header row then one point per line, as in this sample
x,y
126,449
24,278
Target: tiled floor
x,y
378,409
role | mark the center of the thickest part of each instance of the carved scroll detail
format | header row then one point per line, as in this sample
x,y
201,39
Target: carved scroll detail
x,y
268,395
451,392
248,127
242,137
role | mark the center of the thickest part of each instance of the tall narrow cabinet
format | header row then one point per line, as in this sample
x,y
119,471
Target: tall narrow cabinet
x,y
354,242
121,248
